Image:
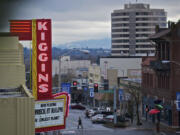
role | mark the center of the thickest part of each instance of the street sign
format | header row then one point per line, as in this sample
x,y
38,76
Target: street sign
x,y
91,92
85,88
66,87
105,91
178,101
120,95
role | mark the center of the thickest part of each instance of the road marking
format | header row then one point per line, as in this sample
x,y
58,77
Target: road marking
x,y
68,132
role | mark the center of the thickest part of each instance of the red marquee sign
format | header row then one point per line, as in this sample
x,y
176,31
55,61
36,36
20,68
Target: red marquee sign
x,y
42,85
21,28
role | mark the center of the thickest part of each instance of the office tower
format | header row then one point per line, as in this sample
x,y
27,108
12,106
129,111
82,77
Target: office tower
x,y
131,28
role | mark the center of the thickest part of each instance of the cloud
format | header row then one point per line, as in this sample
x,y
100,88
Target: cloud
x,y
80,30
8,10
74,20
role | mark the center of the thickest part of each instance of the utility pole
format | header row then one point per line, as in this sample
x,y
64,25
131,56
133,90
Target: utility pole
x,y
59,84
93,102
115,108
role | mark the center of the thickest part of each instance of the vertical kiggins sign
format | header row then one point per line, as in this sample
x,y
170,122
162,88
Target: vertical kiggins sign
x,y
42,59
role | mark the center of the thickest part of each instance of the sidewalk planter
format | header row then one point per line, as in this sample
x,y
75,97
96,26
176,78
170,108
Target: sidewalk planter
x,y
122,124
118,125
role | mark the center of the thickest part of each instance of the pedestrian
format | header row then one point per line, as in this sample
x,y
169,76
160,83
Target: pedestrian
x,y
147,110
80,123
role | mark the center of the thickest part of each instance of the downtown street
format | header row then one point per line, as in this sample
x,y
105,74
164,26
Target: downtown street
x,y
96,129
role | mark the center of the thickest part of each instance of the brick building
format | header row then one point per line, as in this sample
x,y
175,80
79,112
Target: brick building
x,y
161,75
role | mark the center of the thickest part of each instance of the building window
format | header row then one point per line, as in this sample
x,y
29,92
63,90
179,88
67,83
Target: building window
x,y
120,41
163,81
120,19
120,46
120,30
148,80
144,30
142,19
120,14
142,40
163,51
143,13
120,25
142,35
120,35
120,51
144,46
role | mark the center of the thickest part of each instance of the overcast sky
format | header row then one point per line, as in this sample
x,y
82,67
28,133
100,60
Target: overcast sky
x,y
74,20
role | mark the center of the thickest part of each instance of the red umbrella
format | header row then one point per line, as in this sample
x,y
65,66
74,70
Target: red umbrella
x,y
154,111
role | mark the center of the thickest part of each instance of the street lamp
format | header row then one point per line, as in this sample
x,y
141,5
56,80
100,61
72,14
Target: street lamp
x,y
59,78
168,61
105,71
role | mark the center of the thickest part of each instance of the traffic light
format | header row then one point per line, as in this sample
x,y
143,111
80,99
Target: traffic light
x,y
96,87
74,85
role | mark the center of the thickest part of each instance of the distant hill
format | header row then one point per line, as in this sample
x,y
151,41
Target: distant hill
x,y
93,54
104,43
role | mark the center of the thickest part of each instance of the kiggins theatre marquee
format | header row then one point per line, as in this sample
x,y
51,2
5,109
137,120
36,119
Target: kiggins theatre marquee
x,y
50,110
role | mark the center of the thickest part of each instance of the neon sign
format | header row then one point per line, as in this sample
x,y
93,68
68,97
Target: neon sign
x,y
42,41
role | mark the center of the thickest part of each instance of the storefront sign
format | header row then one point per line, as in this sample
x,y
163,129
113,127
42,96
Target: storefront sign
x,y
178,101
66,97
49,114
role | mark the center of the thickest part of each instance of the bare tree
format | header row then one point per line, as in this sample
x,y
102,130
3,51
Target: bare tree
x,y
55,80
67,77
135,98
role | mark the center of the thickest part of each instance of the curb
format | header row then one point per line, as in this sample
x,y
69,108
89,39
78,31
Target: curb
x,y
162,133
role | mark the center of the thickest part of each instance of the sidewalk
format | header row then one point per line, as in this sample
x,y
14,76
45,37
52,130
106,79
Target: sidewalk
x,y
148,125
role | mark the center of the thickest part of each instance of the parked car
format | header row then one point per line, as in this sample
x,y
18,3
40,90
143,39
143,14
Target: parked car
x,y
107,113
109,118
99,118
89,113
78,106
122,119
93,112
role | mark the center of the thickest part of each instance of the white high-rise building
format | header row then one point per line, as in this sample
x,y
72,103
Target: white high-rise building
x,y
131,27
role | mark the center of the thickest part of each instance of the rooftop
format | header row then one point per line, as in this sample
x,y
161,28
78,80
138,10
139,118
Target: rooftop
x,y
12,92
160,34
123,57
6,34
21,91
136,6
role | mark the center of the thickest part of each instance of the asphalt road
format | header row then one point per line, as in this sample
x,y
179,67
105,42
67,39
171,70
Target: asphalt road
x,y
96,129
